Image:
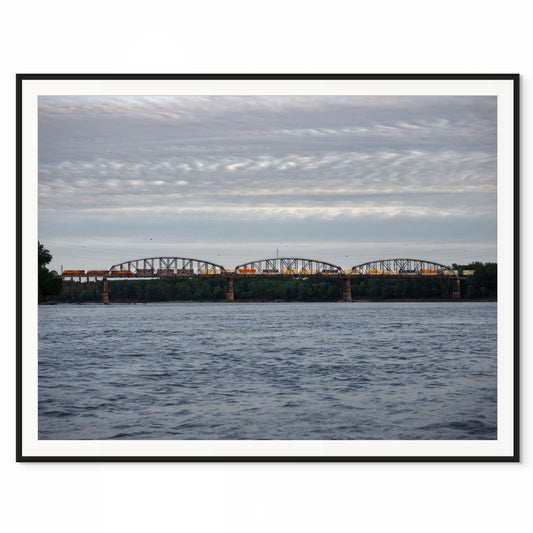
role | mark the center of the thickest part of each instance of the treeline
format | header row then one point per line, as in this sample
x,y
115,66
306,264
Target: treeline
x,y
481,285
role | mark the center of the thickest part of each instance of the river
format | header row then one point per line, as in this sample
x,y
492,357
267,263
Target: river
x,y
272,371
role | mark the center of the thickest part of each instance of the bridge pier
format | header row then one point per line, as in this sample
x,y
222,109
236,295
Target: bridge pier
x,y
105,295
229,290
347,292
456,289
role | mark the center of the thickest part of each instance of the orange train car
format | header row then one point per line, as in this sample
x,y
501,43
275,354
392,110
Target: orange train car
x,y
73,273
121,273
247,271
165,272
96,272
145,272
429,272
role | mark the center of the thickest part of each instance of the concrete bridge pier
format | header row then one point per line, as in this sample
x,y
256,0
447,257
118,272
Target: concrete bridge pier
x,y
229,290
456,289
105,295
347,292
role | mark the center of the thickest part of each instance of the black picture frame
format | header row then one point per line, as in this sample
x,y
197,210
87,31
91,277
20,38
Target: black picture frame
x,y
510,83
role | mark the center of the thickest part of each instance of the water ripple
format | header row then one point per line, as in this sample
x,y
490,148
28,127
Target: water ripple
x,y
268,371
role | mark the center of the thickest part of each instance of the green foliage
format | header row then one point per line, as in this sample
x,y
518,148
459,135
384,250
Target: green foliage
x,y
484,282
49,282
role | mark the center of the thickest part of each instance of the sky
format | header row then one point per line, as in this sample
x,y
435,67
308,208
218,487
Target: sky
x,y
231,179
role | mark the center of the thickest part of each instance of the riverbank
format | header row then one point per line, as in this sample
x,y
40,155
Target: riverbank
x,y
396,300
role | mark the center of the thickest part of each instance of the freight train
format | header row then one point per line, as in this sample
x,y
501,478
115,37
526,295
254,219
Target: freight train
x,y
170,272
424,272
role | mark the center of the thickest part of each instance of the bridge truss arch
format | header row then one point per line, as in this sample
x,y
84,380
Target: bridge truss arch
x,y
165,267
401,267
289,266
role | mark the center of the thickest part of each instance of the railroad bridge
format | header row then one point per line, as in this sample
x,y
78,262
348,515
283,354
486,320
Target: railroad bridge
x,y
278,267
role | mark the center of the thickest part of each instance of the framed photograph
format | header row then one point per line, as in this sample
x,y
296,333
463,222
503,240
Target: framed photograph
x,y
268,267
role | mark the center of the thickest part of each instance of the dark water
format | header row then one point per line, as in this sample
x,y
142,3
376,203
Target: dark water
x,y
268,371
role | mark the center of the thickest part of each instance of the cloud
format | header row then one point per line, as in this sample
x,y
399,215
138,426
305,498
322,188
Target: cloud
x,y
117,165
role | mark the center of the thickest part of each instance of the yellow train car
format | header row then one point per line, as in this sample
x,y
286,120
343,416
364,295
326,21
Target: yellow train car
x,y
450,272
208,272
186,271
391,272
289,271
468,272
307,271
374,272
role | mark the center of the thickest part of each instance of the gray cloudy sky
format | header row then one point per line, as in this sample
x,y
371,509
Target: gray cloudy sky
x,y
229,179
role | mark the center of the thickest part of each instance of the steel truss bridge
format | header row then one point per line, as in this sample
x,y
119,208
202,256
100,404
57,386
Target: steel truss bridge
x,y
164,267
288,266
402,268
285,267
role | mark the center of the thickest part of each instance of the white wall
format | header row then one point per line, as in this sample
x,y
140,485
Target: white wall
x,y
244,36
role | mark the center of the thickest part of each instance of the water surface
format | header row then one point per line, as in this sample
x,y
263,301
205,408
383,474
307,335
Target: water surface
x,y
268,371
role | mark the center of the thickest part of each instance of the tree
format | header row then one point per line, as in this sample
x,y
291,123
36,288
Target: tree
x,y
484,282
49,283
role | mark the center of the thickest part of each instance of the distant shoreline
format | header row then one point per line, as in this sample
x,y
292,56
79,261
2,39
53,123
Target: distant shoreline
x,y
396,300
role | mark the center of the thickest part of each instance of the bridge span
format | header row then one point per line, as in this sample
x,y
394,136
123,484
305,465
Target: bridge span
x,y
278,267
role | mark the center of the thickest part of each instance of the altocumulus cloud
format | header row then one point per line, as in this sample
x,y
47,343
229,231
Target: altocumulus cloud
x,y
328,168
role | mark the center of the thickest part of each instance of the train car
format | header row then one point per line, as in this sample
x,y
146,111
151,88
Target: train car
x,y
289,271
162,272
270,271
468,272
97,272
409,272
391,272
307,271
208,272
450,272
186,272
429,272
329,271
247,271
121,273
73,273
145,272
229,271
374,272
